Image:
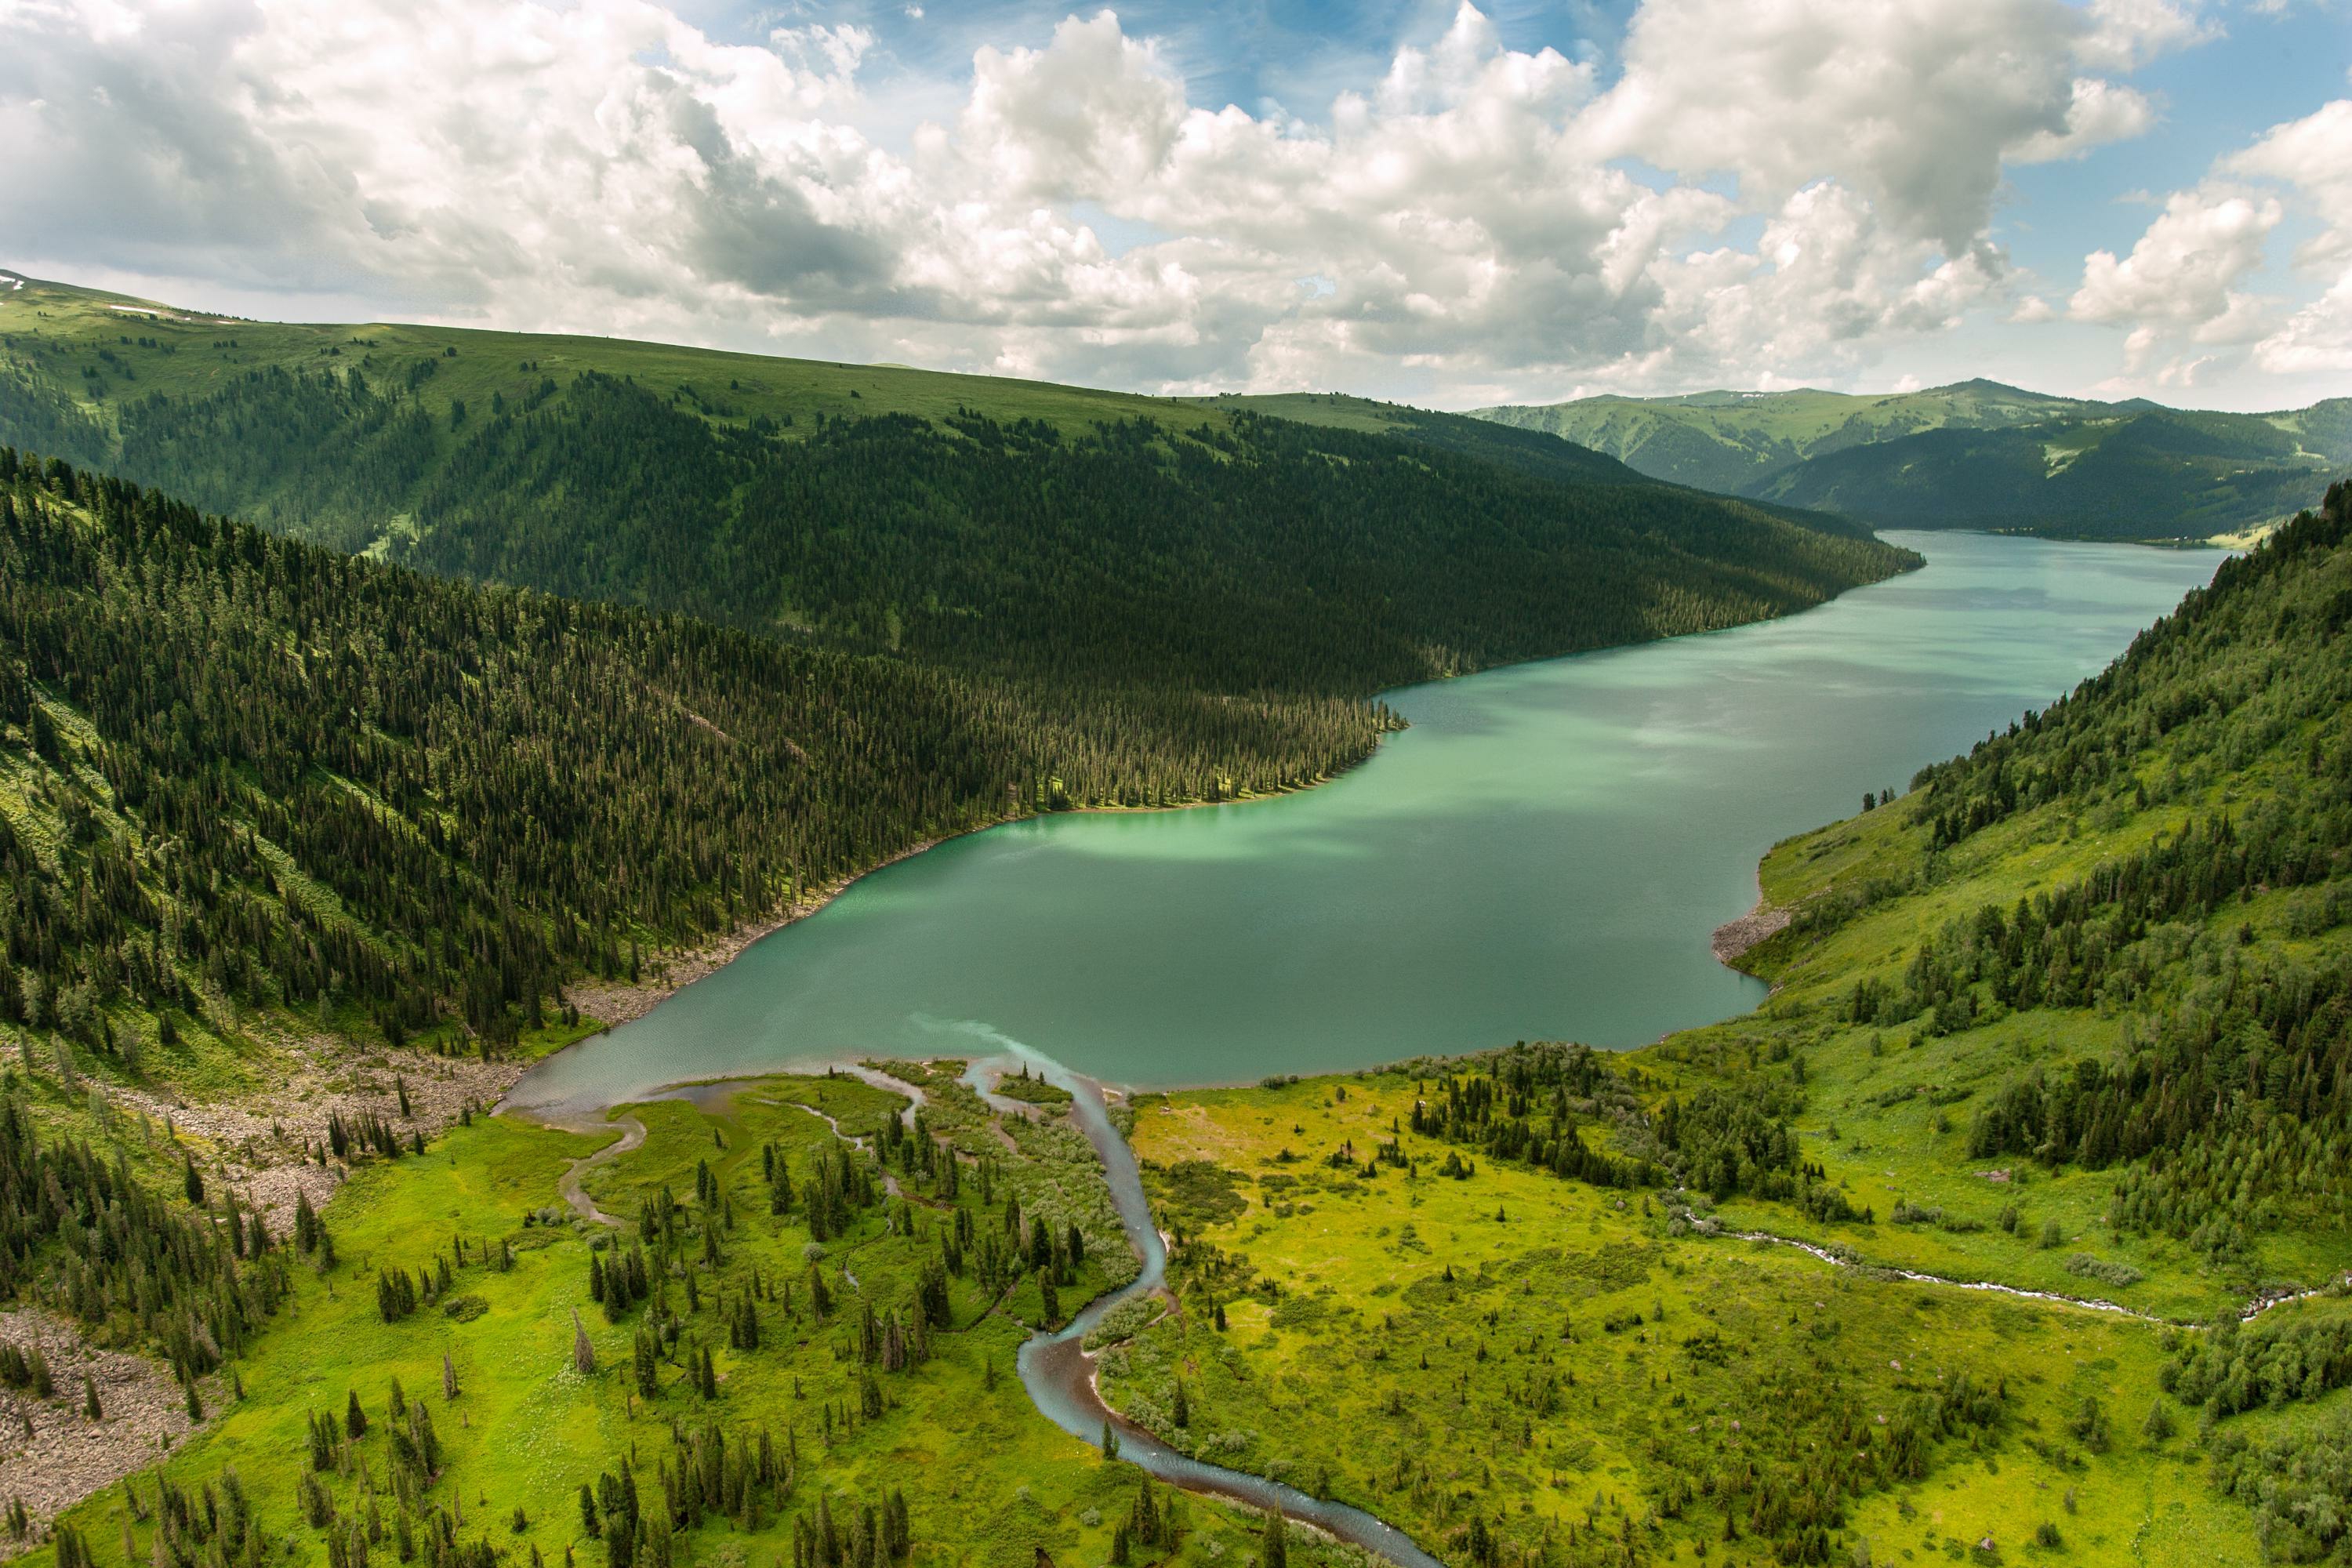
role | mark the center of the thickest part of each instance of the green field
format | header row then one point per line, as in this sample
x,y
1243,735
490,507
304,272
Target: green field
x,y
818,1415
1578,1373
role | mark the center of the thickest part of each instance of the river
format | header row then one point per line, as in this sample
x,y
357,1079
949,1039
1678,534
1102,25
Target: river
x,y
1542,855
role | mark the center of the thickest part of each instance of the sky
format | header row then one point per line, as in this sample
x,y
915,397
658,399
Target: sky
x,y
1445,204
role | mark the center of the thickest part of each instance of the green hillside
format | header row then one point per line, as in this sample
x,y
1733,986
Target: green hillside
x,y
1729,441
1158,547
1974,455
248,779
2157,475
2107,949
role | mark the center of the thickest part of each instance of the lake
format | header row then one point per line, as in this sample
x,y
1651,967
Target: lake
x,y
1543,855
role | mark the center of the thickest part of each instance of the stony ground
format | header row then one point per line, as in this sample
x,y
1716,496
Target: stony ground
x,y
51,1453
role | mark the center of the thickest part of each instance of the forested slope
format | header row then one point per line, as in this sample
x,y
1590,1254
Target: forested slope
x,y
1044,534
244,772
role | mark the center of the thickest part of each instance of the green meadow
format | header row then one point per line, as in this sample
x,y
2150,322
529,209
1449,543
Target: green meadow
x,y
828,1415
1568,1373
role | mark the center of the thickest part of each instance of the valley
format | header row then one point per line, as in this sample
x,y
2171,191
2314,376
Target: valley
x,y
315,858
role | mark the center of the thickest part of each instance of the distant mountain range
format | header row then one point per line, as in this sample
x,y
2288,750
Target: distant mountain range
x,y
1973,455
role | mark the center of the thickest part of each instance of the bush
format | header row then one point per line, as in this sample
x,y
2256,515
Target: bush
x,y
2084,1266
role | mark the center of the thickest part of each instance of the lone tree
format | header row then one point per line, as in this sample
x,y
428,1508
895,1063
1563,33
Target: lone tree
x,y
584,1354
1273,1552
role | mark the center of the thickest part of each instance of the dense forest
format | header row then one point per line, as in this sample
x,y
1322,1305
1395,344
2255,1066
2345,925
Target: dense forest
x,y
252,771
1211,550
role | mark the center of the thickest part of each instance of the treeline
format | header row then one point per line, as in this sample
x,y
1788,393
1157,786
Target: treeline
x,y
1527,1103
279,776
80,1235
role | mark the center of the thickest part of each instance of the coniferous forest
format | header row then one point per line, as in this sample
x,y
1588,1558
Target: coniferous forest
x,y
854,630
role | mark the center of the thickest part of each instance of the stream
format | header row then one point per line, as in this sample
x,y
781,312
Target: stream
x,y
1060,1375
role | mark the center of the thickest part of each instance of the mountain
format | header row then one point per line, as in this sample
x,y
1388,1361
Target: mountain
x,y
1974,455
248,778
1135,564
1530,450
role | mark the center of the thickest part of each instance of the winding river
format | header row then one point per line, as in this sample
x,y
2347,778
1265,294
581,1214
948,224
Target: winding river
x,y
1059,1375
1543,855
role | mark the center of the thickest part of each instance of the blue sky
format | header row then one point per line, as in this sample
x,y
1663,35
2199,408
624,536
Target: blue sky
x,y
1437,202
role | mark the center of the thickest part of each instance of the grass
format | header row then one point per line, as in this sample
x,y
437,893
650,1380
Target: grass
x,y
1583,1358
988,1480
62,329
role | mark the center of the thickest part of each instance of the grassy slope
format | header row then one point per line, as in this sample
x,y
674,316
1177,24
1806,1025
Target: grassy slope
x,y
988,1481
71,324
1323,1376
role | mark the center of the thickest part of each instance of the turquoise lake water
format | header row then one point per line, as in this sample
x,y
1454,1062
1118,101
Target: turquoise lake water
x,y
1542,855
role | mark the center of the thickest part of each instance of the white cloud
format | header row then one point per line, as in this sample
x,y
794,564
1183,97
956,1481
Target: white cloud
x,y
1913,105
2313,156
2127,34
2101,111
2317,338
1474,215
2184,272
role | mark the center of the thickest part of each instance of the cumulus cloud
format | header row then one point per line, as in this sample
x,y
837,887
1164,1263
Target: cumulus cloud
x,y
2313,156
2127,34
2184,272
1760,187
1912,105
2100,111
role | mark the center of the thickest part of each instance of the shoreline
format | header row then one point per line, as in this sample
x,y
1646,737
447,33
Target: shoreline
x,y
614,1003
1735,939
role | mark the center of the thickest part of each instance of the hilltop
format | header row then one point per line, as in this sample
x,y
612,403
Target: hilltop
x,y
1975,454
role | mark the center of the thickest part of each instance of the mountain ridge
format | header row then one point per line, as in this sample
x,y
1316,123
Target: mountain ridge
x,y
1963,455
